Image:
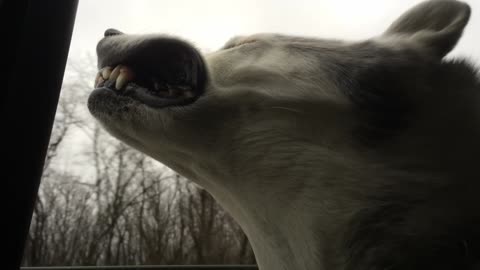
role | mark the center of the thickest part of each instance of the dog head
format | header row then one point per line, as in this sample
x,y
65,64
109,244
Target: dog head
x,y
298,119
183,107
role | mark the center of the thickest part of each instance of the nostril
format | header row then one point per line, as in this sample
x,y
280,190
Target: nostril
x,y
112,32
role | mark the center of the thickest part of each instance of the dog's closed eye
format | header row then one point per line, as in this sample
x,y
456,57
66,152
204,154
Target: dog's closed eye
x,y
236,42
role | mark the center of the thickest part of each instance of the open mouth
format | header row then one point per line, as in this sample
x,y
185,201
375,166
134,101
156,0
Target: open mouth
x,y
163,73
151,91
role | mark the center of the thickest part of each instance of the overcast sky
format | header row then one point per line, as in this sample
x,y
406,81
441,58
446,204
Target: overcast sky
x,y
209,23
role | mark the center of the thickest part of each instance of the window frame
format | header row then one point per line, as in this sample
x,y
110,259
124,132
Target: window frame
x,y
36,37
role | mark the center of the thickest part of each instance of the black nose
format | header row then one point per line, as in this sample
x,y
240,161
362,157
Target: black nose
x,y
112,32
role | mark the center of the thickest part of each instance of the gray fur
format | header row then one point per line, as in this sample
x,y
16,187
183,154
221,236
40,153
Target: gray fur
x,y
330,155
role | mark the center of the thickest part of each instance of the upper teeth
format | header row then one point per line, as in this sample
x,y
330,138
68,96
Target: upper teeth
x,y
118,77
121,75
98,80
106,71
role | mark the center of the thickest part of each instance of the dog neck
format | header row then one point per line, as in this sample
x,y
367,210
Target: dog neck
x,y
291,223
326,218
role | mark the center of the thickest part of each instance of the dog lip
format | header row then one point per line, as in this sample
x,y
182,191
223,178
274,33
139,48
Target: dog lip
x,y
146,96
143,95
168,71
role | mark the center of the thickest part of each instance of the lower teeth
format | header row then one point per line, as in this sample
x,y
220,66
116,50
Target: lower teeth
x,y
164,90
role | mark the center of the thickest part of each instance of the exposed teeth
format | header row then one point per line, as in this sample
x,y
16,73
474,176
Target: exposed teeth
x,y
98,80
121,75
106,71
122,80
115,73
125,76
118,76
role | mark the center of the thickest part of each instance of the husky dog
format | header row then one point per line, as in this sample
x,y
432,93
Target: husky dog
x,y
329,154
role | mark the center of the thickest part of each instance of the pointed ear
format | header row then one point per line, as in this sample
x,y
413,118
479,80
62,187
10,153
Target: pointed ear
x,y
435,24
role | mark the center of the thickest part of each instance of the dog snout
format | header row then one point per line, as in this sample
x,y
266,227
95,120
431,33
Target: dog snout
x,y
112,32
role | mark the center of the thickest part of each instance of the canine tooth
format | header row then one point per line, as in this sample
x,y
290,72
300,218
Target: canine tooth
x,y
115,73
106,72
121,81
126,75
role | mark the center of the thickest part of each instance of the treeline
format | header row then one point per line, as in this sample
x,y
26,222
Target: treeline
x,y
130,211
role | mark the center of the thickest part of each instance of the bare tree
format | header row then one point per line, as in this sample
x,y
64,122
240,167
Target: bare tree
x,y
128,210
